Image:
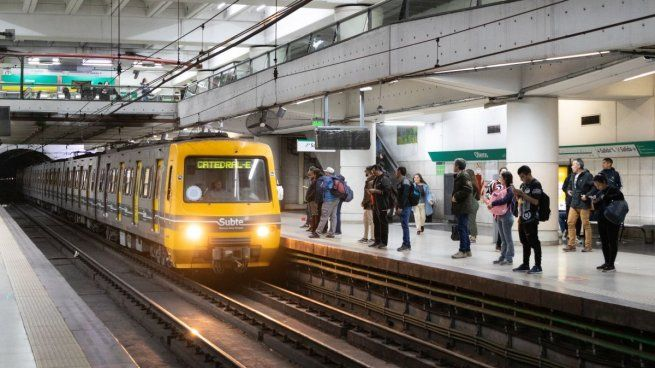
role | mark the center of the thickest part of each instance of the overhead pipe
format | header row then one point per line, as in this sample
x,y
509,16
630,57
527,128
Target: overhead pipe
x,y
95,56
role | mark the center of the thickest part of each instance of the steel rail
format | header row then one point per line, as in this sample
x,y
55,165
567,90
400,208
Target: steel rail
x,y
409,342
266,324
411,287
179,329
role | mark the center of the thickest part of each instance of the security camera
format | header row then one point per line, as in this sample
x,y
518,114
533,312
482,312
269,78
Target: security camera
x,y
380,109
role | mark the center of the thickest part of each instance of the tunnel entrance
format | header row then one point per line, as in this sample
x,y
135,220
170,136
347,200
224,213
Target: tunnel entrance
x,y
10,162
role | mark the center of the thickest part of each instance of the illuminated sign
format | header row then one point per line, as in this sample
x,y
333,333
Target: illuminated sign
x,y
223,164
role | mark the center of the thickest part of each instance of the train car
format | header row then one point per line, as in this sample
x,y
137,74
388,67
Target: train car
x,y
196,204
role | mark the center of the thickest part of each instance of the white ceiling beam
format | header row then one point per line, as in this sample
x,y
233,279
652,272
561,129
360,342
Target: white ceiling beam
x,y
73,6
29,6
154,9
192,11
113,5
235,10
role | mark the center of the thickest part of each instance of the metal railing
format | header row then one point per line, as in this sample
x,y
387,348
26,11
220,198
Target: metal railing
x,y
88,92
379,15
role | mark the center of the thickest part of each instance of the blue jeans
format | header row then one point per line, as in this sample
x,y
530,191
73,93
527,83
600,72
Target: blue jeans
x,y
463,229
562,220
338,229
404,223
505,223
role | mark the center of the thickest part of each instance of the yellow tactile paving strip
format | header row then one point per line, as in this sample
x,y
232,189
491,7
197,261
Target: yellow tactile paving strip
x,y
53,344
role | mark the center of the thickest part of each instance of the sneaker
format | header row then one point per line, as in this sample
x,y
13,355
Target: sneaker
x,y
522,268
363,240
330,236
337,233
601,266
535,270
586,250
304,226
422,228
497,249
506,262
609,269
418,232
469,254
404,248
459,255
314,236
373,245
472,239
498,261
569,249
382,246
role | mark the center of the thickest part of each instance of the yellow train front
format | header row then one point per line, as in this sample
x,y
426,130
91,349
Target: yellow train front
x,y
221,209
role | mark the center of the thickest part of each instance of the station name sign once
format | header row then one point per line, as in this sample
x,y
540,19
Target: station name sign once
x,y
223,164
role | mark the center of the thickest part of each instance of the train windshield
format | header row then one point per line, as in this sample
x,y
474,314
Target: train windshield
x,y
226,180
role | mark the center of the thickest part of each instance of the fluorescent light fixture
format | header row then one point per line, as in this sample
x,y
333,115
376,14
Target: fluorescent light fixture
x,y
394,81
366,89
639,76
510,64
577,55
404,123
146,64
38,61
307,100
261,7
220,6
97,62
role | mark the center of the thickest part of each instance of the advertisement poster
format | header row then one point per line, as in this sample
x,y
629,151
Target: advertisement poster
x,y
561,176
406,135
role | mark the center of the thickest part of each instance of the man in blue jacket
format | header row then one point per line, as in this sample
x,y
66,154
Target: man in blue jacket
x,y
403,205
324,187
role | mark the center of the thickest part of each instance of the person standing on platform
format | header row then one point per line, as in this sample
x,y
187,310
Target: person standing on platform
x,y
462,206
309,193
475,206
528,201
404,207
609,231
613,177
369,227
381,200
329,204
343,180
501,204
312,199
581,185
424,207
494,186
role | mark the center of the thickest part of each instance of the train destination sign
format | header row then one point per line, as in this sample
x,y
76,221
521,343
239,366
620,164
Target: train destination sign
x,y
223,164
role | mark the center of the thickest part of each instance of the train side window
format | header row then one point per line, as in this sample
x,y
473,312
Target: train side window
x,y
170,181
128,177
92,178
111,180
83,180
101,180
145,182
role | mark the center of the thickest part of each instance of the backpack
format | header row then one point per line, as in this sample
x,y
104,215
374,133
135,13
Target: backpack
x,y
414,195
341,190
544,207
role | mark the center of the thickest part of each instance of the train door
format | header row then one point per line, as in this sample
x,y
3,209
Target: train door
x,y
136,192
169,190
119,192
106,189
156,198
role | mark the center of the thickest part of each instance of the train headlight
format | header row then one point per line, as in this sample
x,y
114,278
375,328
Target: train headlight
x,y
193,232
263,231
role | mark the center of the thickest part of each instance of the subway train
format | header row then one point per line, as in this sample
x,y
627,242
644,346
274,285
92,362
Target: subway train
x,y
195,204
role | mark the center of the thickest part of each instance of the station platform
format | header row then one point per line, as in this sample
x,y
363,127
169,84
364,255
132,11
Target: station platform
x,y
570,282
44,322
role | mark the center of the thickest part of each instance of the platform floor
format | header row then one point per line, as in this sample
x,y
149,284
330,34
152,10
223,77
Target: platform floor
x,y
633,285
44,322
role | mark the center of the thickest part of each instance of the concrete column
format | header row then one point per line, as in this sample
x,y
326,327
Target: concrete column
x,y
352,165
532,139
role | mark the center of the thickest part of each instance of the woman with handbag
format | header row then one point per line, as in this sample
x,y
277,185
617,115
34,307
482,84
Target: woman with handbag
x,y
501,204
424,206
612,208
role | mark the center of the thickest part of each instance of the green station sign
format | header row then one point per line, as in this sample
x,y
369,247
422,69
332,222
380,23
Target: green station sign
x,y
620,149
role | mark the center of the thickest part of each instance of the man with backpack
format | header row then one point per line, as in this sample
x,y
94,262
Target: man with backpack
x,y
381,203
405,190
324,189
533,207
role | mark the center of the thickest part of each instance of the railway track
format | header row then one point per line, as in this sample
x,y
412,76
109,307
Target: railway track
x,y
330,338
515,335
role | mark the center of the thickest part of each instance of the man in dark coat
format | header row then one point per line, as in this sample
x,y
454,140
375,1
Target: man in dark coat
x,y
381,203
462,200
581,186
